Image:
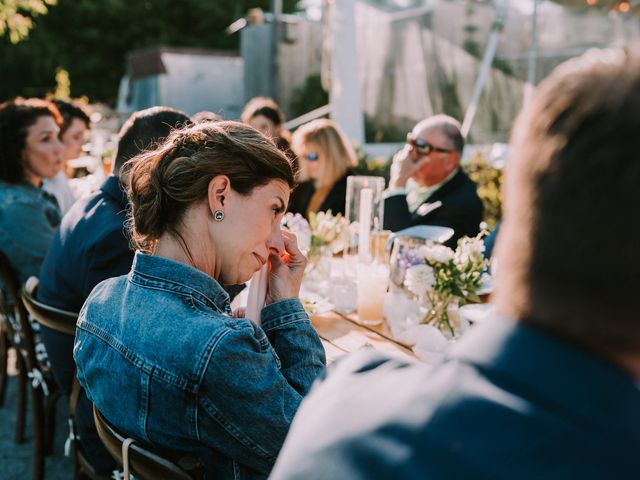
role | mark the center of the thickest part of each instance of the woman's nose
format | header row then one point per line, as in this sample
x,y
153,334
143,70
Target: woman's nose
x,y
276,242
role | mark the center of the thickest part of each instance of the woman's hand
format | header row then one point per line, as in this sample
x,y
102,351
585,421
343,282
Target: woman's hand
x,y
285,276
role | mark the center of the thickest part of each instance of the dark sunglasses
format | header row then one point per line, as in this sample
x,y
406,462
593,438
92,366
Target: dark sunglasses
x,y
424,148
312,157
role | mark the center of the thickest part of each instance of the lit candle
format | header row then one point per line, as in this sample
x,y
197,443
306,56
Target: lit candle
x,y
364,233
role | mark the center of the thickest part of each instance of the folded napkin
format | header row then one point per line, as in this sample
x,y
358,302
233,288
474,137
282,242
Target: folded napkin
x,y
257,294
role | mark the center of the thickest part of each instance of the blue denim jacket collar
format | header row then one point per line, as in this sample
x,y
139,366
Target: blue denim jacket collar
x,y
150,270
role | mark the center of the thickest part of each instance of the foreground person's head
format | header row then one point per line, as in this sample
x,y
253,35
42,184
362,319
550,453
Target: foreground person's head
x,y
219,191
568,250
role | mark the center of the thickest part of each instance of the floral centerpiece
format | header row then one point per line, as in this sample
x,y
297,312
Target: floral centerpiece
x,y
441,277
323,231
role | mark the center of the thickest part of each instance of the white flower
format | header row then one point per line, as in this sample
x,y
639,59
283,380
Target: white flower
x,y
436,253
419,279
469,250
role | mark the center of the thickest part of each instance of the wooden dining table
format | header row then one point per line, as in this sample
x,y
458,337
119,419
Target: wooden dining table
x,y
344,333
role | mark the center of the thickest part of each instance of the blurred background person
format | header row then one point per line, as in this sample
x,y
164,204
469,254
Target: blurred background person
x,y
205,116
427,185
30,151
90,246
327,159
73,135
264,114
206,210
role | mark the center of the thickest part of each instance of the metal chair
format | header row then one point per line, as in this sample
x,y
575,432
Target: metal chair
x,y
64,322
44,391
141,462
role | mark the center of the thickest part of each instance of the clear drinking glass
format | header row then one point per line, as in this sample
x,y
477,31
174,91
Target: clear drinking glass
x,y
353,207
372,287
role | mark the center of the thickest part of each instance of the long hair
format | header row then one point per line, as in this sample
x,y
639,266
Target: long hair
x,y
335,152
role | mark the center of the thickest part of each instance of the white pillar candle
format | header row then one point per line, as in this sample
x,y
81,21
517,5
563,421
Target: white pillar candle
x,y
364,233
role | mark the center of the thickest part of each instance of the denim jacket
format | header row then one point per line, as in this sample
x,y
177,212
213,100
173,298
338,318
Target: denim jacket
x,y
29,218
160,355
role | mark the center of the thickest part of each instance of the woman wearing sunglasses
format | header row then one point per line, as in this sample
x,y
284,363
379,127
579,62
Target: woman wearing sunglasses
x,y
327,159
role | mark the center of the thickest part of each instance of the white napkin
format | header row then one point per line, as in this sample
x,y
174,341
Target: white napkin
x,y
257,294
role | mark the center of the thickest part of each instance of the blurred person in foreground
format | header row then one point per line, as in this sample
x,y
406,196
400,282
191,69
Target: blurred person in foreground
x,y
159,351
73,135
440,193
327,159
30,151
264,114
551,387
92,245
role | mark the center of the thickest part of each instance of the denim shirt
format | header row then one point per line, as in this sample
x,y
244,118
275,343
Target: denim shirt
x,y
29,218
160,355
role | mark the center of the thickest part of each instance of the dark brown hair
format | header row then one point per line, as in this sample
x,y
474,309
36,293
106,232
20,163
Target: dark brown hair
x,y
166,181
69,111
144,130
264,106
16,116
568,248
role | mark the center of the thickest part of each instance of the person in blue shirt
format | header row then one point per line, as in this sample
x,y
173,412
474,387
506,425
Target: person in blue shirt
x,y
550,388
92,245
159,351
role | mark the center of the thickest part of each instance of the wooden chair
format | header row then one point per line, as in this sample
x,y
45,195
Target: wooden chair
x,y
44,392
140,461
64,322
9,338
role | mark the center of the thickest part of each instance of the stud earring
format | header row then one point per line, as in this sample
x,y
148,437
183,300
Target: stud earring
x,y
218,215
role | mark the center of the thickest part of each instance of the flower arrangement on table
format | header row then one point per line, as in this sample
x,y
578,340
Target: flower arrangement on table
x,y
323,230
441,277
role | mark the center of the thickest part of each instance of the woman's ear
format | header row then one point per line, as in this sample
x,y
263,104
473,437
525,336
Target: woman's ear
x,y
218,192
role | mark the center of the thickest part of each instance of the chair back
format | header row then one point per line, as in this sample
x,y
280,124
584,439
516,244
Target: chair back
x,y
59,320
138,460
14,315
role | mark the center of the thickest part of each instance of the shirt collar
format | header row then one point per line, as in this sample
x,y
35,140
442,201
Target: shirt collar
x,y
419,195
115,190
180,277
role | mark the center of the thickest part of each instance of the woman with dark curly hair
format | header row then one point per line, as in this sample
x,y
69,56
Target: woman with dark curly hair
x,y
30,150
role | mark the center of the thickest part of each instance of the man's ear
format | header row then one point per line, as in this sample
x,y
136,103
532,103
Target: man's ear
x,y
218,192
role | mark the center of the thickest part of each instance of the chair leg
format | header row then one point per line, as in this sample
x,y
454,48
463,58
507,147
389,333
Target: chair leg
x,y
50,420
22,397
4,357
39,434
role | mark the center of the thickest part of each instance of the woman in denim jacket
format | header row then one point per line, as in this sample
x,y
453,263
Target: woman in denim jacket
x,y
30,151
159,351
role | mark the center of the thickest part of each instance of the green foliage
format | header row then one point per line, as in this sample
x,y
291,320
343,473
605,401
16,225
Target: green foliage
x,y
16,17
376,132
308,97
489,182
90,39
373,166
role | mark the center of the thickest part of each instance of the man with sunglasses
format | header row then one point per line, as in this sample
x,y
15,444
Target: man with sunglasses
x,y
427,185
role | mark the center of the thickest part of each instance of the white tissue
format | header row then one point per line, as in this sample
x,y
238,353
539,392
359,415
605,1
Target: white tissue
x,y
257,295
